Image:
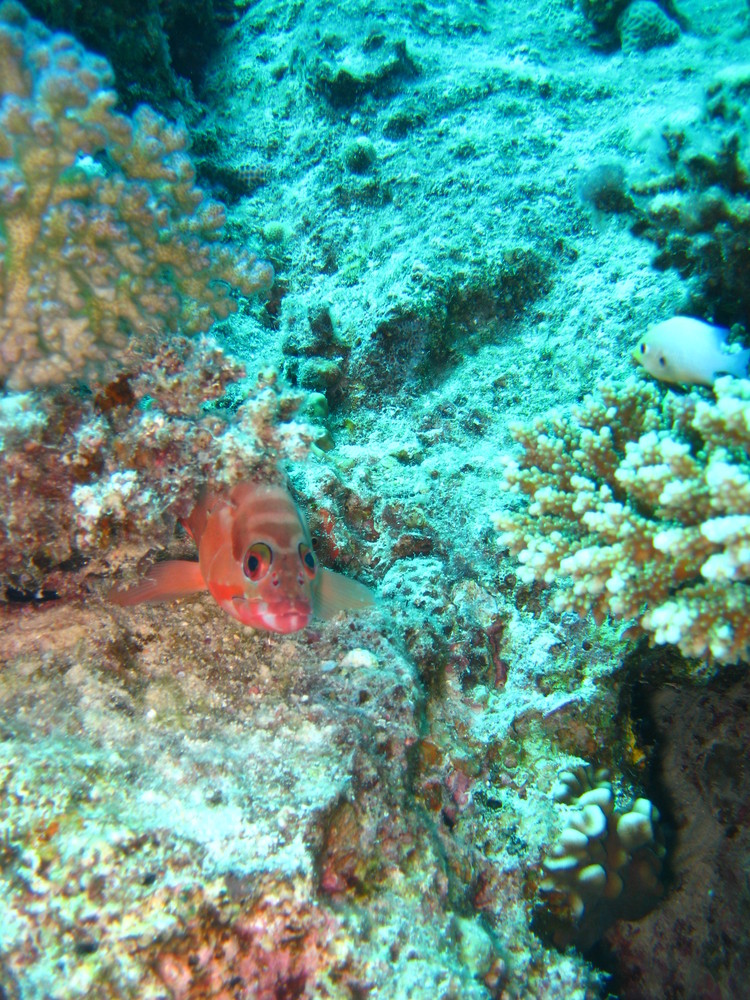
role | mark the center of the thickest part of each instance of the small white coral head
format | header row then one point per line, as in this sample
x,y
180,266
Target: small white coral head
x,y
591,820
687,350
601,796
593,878
634,830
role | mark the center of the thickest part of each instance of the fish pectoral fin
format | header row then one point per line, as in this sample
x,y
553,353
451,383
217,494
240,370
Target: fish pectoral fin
x,y
164,582
336,592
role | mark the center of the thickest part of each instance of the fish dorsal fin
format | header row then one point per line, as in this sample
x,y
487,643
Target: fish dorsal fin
x,y
164,582
195,523
336,592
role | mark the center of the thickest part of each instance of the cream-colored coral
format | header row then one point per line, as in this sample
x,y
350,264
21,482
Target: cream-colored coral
x,y
640,508
96,255
608,861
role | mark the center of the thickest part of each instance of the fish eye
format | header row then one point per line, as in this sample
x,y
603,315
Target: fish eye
x,y
662,360
257,561
308,560
643,348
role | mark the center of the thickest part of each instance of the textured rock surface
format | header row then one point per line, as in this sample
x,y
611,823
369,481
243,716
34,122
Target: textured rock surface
x,y
193,810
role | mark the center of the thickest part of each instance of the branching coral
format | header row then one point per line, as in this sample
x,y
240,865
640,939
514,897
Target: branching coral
x,y
640,508
608,861
95,252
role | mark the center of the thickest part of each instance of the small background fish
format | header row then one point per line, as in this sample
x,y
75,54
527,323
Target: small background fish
x,y
255,557
687,350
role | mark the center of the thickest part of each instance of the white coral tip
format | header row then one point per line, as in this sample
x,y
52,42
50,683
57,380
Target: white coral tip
x,y
601,796
634,830
593,878
591,820
573,840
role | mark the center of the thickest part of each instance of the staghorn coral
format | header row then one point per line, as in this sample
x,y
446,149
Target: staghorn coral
x,y
96,254
640,508
607,863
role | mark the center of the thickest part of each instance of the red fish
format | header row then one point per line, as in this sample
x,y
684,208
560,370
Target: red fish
x,y
255,557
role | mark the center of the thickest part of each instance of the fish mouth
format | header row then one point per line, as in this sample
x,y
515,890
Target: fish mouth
x,y
283,617
288,622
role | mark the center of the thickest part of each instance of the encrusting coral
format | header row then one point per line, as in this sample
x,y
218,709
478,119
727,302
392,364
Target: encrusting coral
x,y
96,252
640,508
608,860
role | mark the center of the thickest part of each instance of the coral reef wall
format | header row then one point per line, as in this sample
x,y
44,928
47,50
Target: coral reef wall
x,y
398,256
113,261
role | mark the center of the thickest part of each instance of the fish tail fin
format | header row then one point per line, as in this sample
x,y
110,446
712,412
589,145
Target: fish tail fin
x,y
164,582
336,592
738,363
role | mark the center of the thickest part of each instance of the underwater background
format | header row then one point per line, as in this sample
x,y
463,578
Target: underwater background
x,y
398,257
